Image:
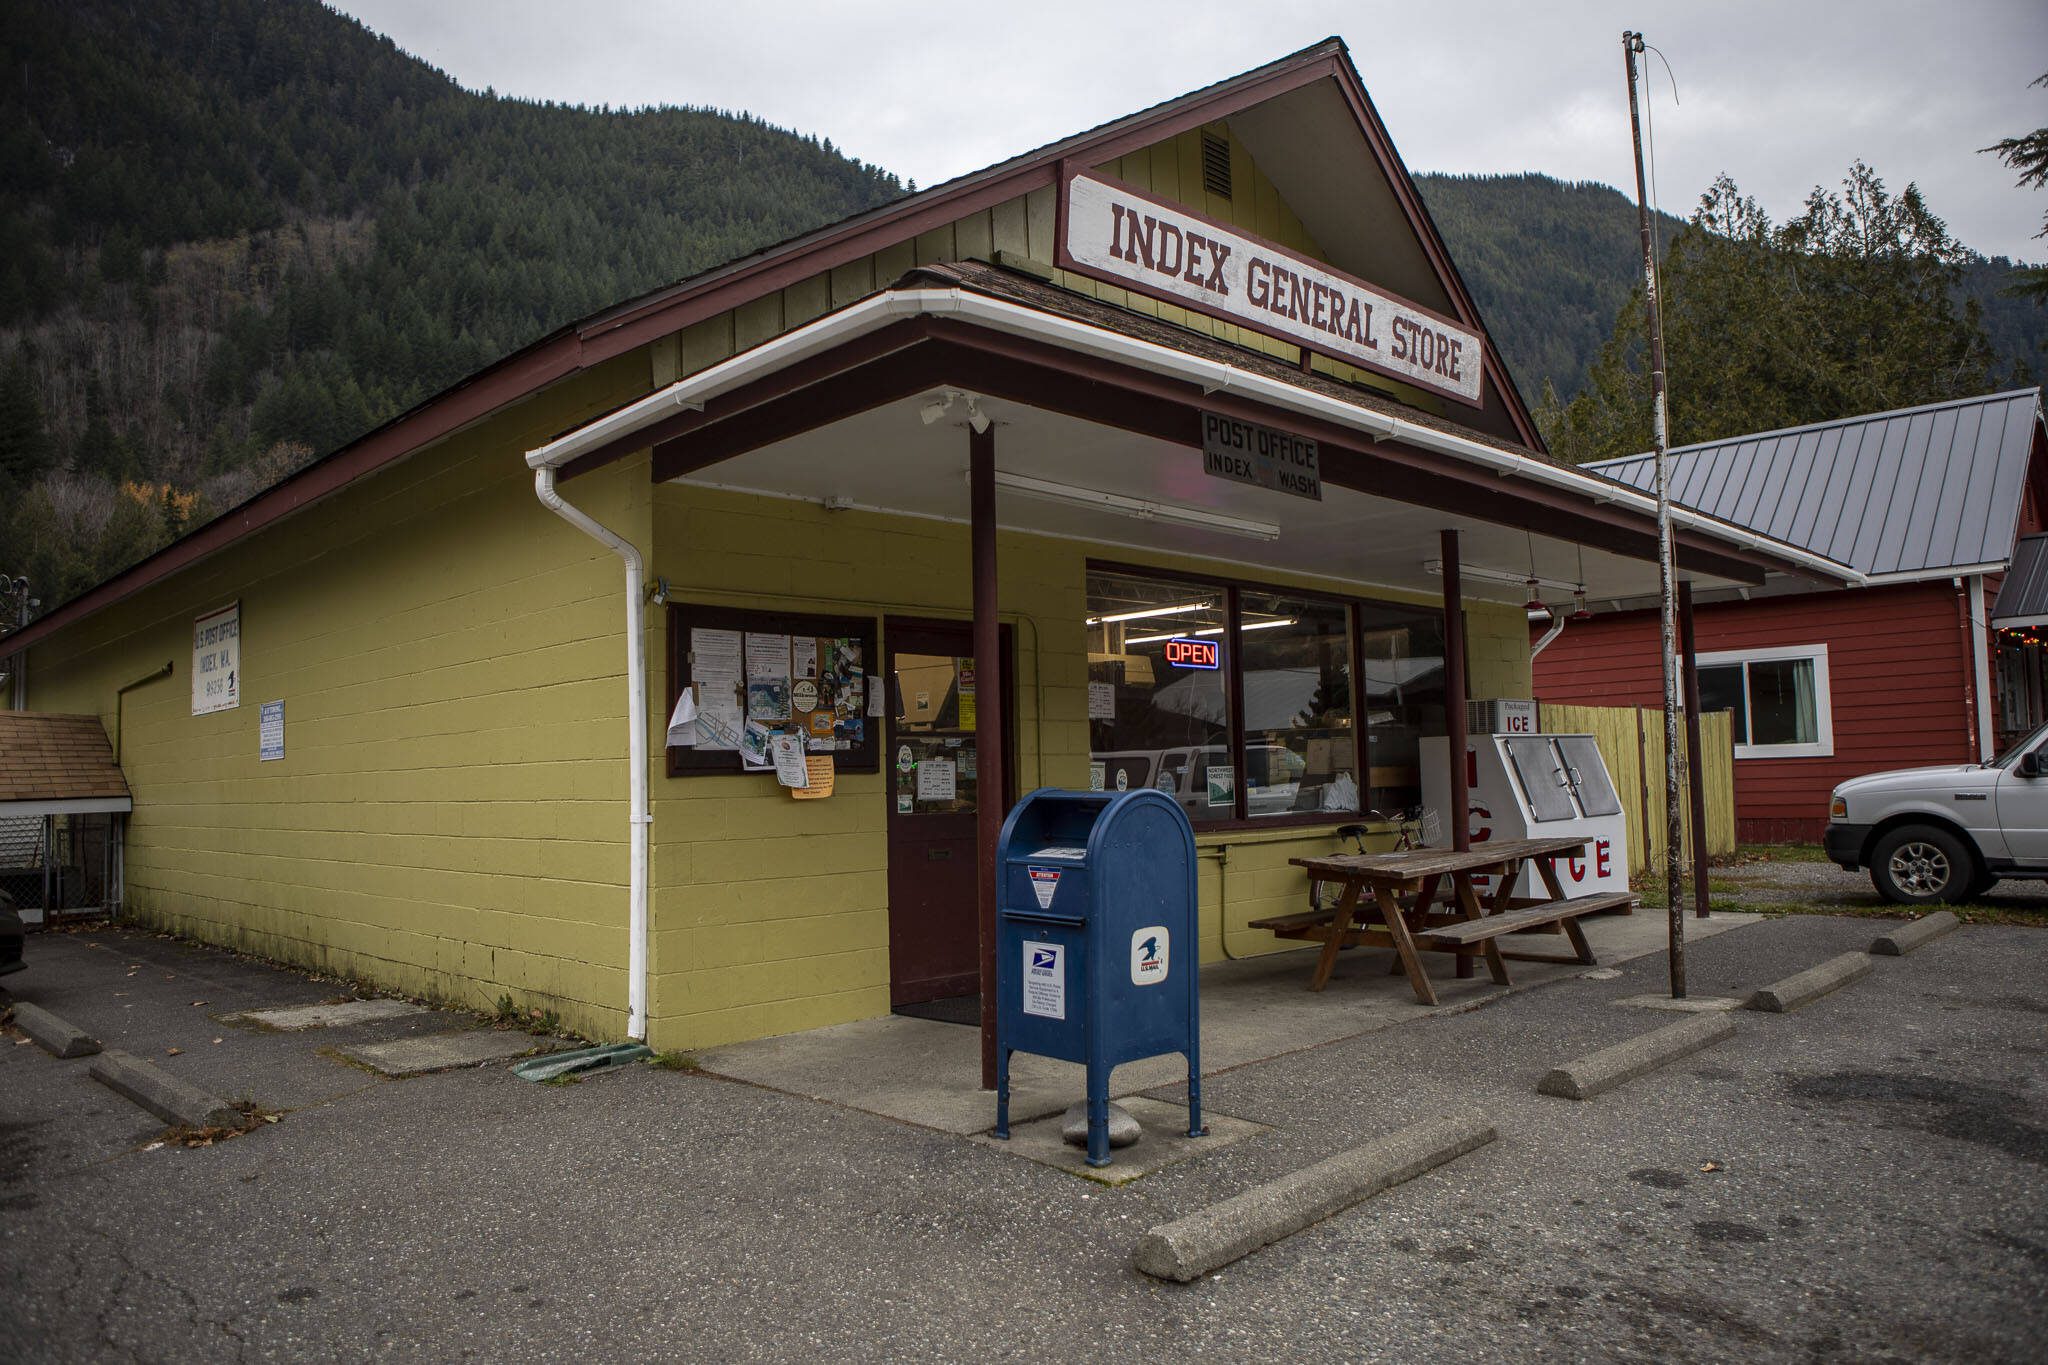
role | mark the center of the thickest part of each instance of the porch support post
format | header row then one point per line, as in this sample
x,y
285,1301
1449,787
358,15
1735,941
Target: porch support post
x,y
1696,779
1454,697
991,782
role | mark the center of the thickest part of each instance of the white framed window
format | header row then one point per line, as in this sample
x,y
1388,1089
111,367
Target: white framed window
x,y
1779,696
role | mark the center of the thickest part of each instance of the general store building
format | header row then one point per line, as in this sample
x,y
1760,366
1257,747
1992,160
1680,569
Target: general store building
x,y
1154,456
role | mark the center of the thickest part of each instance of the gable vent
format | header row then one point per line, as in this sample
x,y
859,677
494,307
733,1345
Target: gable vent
x,y
1216,163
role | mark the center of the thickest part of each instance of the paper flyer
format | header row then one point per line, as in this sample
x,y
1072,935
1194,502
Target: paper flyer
x,y
767,658
754,742
682,722
715,669
768,700
803,656
874,696
719,722
936,780
1101,701
820,772
788,754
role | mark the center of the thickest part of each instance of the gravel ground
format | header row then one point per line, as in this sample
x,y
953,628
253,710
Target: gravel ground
x,y
1863,1180
1823,886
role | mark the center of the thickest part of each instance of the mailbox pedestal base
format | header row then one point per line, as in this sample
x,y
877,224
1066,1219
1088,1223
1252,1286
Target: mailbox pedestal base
x,y
1098,1104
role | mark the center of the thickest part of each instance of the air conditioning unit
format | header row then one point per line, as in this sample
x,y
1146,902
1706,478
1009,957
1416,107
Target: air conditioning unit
x,y
1501,716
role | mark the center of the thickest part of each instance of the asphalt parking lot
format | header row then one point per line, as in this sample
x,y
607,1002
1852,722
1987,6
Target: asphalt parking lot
x,y
1861,1180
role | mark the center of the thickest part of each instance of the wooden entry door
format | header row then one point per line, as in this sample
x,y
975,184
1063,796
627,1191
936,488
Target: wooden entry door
x,y
933,789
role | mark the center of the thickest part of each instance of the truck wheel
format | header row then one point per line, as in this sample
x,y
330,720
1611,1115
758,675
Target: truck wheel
x,y
1922,865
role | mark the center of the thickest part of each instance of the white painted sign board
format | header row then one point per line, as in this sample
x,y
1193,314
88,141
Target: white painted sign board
x,y
217,661
1113,232
270,732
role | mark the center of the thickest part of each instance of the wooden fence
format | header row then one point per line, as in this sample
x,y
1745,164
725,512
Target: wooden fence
x,y
1631,739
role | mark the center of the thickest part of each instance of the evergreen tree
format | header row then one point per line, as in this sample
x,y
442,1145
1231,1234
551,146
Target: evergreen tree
x,y
2028,154
26,449
1848,308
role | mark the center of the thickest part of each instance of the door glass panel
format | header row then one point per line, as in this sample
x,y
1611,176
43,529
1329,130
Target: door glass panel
x,y
1589,775
1542,779
934,758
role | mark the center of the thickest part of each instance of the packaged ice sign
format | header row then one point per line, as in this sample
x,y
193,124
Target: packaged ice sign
x,y
217,661
1185,653
1113,232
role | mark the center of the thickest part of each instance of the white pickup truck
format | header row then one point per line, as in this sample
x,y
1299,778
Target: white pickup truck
x,y
1949,833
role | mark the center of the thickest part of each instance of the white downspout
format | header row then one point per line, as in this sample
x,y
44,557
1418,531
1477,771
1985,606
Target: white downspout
x,y
1556,629
636,747
1980,663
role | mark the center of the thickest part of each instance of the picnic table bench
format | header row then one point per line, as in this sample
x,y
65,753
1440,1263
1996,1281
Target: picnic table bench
x,y
1415,927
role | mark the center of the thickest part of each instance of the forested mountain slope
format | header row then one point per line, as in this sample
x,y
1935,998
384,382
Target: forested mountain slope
x,y
237,233
1551,263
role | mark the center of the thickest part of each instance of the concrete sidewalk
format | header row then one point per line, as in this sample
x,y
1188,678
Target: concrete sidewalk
x,y
1253,1010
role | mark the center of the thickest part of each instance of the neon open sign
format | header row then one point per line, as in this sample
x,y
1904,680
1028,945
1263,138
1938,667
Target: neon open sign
x,y
1185,653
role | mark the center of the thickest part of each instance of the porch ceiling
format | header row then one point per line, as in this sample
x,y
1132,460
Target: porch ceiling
x,y
887,458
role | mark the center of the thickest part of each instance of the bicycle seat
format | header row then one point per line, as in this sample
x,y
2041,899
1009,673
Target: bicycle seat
x,y
1351,831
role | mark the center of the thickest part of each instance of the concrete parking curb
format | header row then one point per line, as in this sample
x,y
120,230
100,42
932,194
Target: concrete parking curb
x,y
53,1035
162,1094
1584,1077
1907,937
1191,1247
1803,988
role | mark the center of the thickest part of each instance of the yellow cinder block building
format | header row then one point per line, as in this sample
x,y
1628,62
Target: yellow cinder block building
x,y
1174,454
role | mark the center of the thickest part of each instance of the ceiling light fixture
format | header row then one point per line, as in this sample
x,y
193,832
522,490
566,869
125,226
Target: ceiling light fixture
x,y
1149,612
1142,509
1436,566
1207,630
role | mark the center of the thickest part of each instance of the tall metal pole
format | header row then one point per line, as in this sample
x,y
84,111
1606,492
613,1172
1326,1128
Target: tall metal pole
x,y
991,781
1460,813
1674,836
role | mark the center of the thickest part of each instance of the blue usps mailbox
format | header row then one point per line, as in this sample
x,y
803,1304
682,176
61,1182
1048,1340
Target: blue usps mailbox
x,y
1095,942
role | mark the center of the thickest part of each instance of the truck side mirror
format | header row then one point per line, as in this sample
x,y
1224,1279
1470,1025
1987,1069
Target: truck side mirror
x,y
2029,765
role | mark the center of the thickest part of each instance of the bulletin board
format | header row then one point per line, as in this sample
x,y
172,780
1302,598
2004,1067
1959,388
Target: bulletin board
x,y
787,671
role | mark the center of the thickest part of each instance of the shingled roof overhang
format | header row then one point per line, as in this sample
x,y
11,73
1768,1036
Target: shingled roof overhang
x,y
1004,335
58,765
617,330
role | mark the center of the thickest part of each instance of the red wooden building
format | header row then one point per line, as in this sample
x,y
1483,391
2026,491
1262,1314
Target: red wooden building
x,y
1913,670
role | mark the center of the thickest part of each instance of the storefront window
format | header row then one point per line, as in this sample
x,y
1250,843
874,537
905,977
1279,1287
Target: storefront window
x,y
1403,650
1301,753
1158,703
1162,665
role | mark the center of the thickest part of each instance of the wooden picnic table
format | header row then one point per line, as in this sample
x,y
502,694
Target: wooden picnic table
x,y
1413,928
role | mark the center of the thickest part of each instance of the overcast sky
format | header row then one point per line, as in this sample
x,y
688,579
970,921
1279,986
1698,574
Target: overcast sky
x,y
1780,95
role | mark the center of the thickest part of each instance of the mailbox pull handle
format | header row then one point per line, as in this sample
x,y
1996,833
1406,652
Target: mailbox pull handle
x,y
1037,917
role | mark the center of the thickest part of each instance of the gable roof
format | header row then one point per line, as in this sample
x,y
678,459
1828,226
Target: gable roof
x,y
2023,596
1918,492
612,332
51,763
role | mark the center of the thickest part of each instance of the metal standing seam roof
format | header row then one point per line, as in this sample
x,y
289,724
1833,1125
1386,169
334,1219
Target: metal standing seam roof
x,y
2023,596
1918,491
